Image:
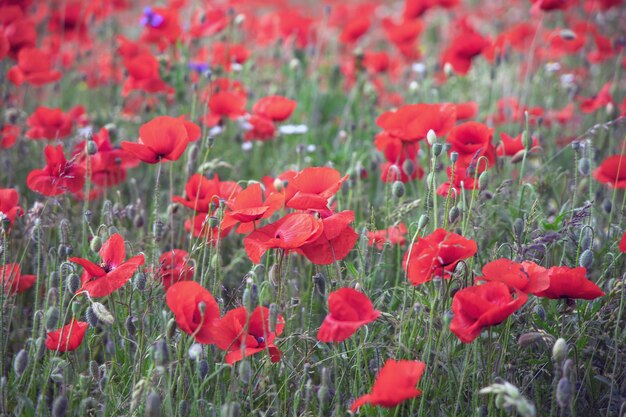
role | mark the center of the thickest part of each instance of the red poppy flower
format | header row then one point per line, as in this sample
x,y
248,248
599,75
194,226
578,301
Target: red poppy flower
x,y
225,104
622,243
242,334
8,204
612,171
248,207
58,176
13,281
600,100
143,75
69,19
161,26
174,266
335,242
110,275
527,277
46,123
464,48
394,235
275,108
604,51
195,309
354,29
291,232
348,309
33,67
404,33
482,306
261,128
68,337
472,140
312,188
200,192
162,138
108,165
566,282
511,146
412,122
224,54
8,136
394,384
436,255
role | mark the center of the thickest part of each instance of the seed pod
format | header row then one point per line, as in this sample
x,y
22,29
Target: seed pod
x,y
564,392
436,149
586,259
559,350
153,405
398,189
59,406
454,156
20,363
92,147
91,317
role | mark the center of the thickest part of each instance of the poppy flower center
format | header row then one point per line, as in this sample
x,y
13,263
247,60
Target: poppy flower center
x,y
107,268
260,340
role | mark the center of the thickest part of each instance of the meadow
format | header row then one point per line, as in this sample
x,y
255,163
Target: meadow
x,y
293,208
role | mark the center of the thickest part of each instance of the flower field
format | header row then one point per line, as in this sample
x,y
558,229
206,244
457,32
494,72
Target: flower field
x,y
282,208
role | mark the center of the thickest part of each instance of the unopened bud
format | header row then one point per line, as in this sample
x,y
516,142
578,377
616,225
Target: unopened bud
x,y
431,137
398,189
153,405
273,319
102,313
20,363
96,244
59,406
423,221
564,392
245,372
584,166
436,149
73,283
518,228
559,350
586,259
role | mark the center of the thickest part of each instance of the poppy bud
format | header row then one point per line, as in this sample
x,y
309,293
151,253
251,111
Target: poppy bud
x,y
203,368
92,147
73,283
52,318
183,408
138,221
398,189
153,405
431,137
586,259
423,221
59,406
140,281
195,351
20,363
319,281
568,369
94,370
408,166
564,392
559,350
213,221
170,329
453,215
607,205
540,311
161,353
454,156
91,317
102,313
518,228
483,180
584,166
